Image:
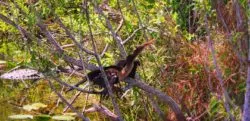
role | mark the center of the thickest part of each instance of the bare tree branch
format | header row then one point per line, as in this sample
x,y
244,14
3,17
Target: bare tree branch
x,y
131,36
77,62
246,110
104,50
59,50
102,109
156,107
218,71
50,40
72,100
74,87
4,3
166,99
67,103
114,35
121,13
87,96
119,26
229,35
73,38
116,108
140,21
24,33
238,14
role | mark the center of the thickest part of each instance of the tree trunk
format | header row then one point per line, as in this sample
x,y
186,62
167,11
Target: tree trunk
x,y
246,111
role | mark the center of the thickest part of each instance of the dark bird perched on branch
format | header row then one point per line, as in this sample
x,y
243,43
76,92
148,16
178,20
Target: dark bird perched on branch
x,y
115,73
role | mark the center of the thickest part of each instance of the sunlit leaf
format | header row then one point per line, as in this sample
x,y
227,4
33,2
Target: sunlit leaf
x,y
39,105
63,118
28,107
2,62
34,106
21,116
70,114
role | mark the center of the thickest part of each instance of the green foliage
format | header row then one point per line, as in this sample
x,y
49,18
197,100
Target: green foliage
x,y
216,108
182,9
42,118
176,64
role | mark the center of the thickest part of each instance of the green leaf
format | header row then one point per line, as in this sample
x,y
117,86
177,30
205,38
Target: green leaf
x,y
42,118
20,116
214,106
63,118
241,87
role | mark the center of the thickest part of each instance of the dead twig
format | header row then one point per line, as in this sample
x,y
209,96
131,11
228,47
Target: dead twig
x,y
72,100
131,36
119,26
102,109
74,87
104,50
71,72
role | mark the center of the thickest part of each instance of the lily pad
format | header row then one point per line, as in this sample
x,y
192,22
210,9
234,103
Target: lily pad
x,y
20,117
63,118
